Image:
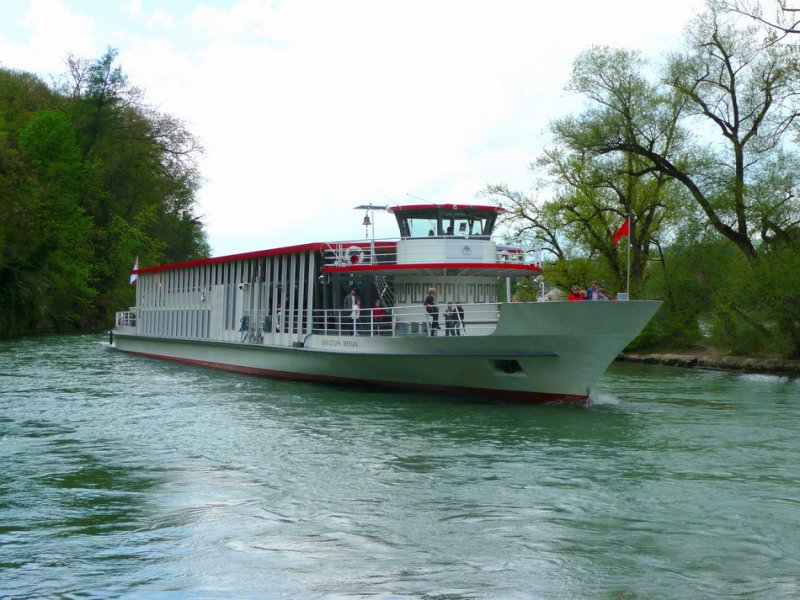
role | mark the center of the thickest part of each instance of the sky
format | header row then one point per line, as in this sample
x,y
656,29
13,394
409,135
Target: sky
x,y
308,108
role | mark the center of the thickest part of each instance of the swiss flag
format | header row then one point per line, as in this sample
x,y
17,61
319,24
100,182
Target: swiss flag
x,y
134,274
623,230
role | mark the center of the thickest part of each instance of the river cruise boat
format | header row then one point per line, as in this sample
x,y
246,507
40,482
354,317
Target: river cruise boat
x,y
287,313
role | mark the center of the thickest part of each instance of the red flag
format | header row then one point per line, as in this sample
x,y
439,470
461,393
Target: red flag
x,y
623,230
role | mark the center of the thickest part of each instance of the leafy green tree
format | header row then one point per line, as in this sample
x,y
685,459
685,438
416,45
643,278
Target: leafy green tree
x,y
141,168
18,278
705,158
742,95
595,192
90,177
63,243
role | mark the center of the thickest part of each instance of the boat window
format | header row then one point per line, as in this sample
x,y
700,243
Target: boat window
x,y
420,228
468,226
456,221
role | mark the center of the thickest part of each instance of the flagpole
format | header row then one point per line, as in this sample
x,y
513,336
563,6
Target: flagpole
x,y
625,229
628,281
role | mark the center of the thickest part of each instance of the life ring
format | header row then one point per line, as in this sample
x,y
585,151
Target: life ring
x,y
353,255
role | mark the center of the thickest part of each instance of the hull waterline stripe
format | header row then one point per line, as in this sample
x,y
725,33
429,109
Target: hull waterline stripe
x,y
508,395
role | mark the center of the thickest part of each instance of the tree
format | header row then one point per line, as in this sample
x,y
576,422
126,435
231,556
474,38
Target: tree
x,y
595,192
705,158
62,246
17,227
785,19
90,177
141,168
742,94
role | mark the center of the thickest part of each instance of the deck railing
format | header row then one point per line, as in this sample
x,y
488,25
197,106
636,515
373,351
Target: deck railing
x,y
399,321
260,327
383,252
125,318
479,319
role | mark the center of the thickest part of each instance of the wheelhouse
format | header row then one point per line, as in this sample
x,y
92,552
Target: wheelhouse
x,y
439,220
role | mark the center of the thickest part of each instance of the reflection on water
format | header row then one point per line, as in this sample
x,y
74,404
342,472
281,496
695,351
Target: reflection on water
x,y
128,476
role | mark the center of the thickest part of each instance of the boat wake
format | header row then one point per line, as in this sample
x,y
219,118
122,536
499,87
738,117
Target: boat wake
x,y
603,399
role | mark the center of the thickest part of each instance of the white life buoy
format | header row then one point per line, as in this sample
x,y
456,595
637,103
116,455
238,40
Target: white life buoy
x,y
353,256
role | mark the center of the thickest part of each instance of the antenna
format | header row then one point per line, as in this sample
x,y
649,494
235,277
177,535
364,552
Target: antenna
x,y
418,198
384,195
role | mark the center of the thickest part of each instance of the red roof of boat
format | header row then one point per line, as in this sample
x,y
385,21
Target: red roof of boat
x,y
319,246
497,209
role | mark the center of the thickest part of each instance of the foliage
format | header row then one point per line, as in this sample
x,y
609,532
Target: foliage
x,y
778,15
594,192
90,178
702,154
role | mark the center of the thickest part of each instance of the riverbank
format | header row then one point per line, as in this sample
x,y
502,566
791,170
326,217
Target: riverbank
x,y
709,360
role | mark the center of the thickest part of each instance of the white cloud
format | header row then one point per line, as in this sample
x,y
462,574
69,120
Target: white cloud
x,y
160,19
243,17
50,31
134,7
310,107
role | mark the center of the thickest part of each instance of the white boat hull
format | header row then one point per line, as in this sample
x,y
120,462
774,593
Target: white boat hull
x,y
539,352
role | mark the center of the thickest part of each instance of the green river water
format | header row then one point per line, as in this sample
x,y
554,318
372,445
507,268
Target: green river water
x,y
128,477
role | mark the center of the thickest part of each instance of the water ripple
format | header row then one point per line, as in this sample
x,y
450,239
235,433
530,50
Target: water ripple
x,y
125,476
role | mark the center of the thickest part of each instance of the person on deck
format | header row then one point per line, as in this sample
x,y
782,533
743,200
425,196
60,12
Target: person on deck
x,y
575,294
350,299
450,319
432,308
355,314
349,302
591,292
379,319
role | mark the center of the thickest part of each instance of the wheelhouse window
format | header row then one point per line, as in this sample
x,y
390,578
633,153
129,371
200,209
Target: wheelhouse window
x,y
446,220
